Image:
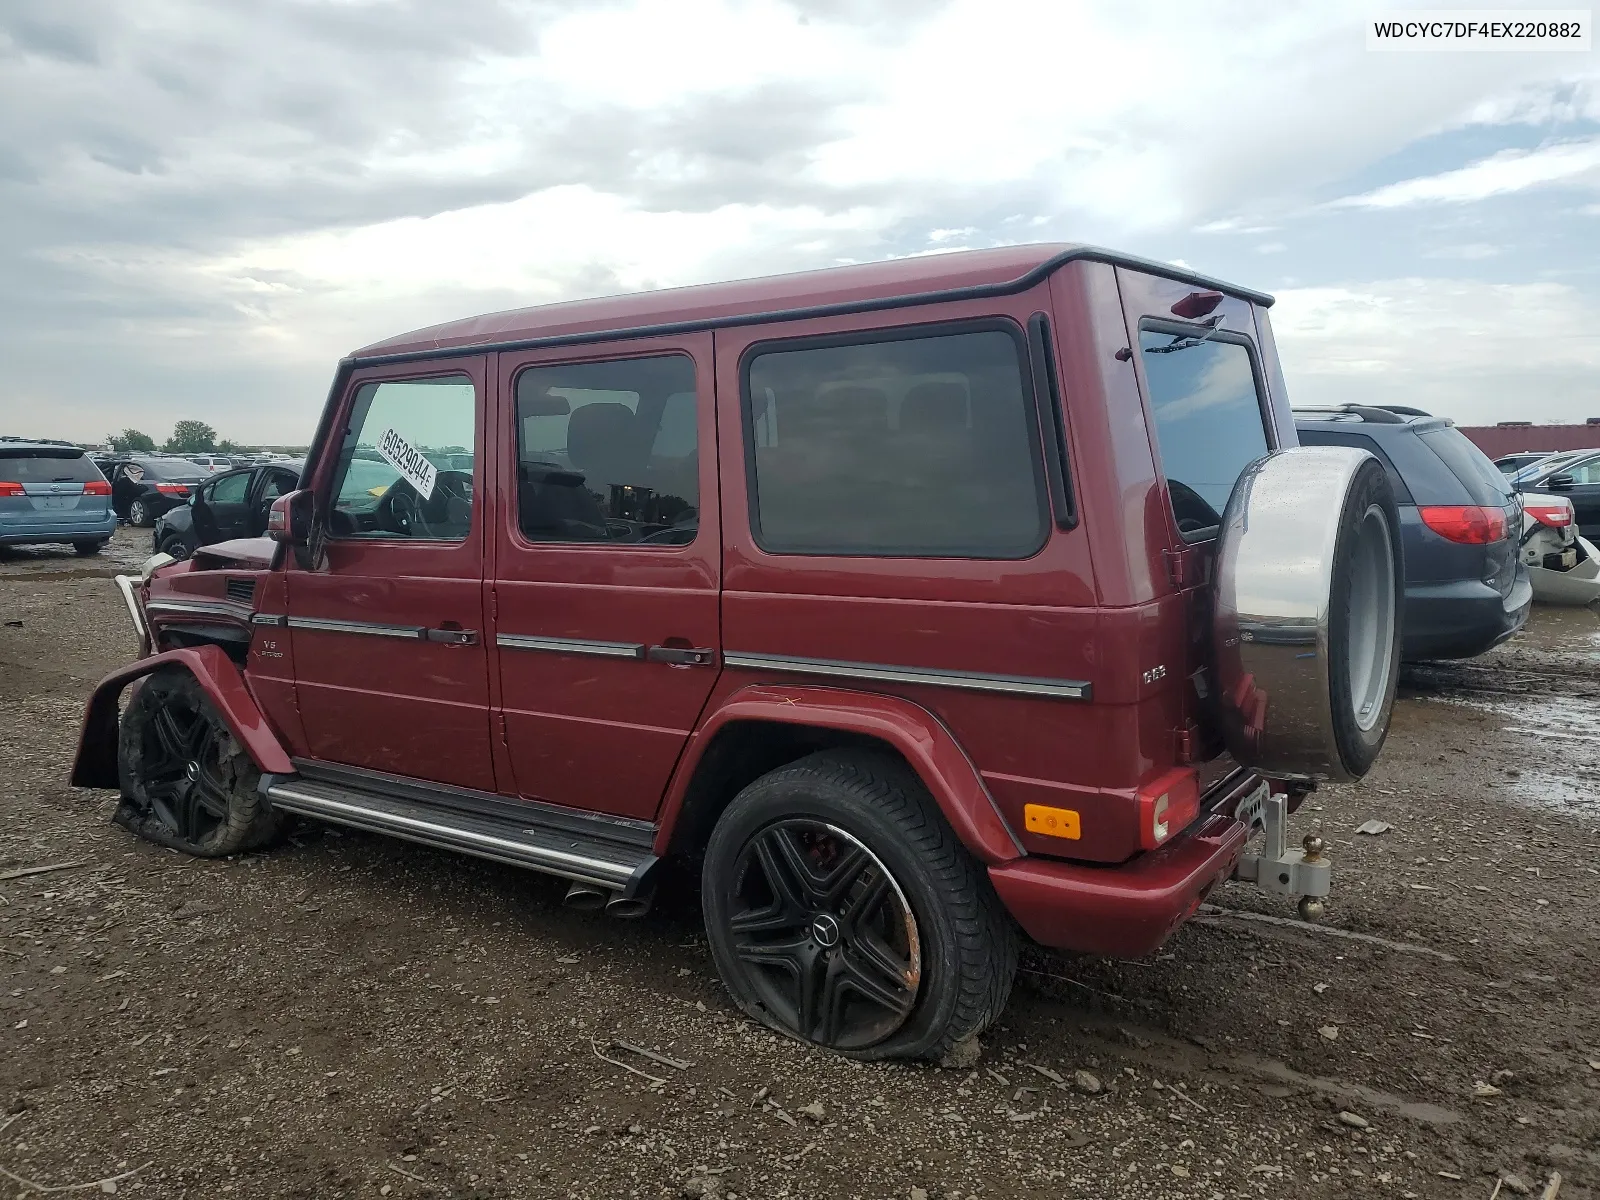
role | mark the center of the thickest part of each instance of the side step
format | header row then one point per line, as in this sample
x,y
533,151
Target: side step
x,y
496,830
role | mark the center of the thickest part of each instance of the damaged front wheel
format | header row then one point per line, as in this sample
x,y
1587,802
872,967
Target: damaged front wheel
x,y
186,782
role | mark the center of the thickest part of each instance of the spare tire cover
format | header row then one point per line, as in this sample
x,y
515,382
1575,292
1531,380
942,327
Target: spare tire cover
x,y
1306,621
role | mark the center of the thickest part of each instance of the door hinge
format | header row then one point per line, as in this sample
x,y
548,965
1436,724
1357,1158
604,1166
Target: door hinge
x,y
1186,568
505,739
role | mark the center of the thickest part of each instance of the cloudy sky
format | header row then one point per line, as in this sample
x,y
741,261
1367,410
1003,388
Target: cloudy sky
x,y
203,205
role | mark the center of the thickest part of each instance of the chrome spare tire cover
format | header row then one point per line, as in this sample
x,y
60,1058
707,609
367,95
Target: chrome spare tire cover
x,y
1308,587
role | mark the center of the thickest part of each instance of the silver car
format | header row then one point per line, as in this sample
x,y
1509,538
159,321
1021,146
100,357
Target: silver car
x,y
53,493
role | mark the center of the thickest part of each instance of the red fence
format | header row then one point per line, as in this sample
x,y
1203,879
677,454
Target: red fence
x,y
1495,440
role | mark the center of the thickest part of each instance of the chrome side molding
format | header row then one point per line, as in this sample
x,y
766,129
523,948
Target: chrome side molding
x,y
972,681
581,646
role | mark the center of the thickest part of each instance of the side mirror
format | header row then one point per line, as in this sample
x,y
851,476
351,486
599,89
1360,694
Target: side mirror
x,y
289,518
1560,483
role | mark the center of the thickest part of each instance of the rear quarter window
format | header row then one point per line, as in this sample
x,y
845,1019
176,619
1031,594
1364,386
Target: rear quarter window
x,y
32,466
1482,479
1330,437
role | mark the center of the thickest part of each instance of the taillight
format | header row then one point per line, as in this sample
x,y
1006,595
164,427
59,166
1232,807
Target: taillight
x,y
172,489
97,487
1554,511
1469,524
1167,805
7,488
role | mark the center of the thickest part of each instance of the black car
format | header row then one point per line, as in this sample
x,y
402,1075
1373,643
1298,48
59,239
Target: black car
x,y
231,504
1460,526
1575,477
143,486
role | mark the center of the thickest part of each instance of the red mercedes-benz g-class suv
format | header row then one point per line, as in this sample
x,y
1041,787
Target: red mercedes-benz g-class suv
x,y
921,604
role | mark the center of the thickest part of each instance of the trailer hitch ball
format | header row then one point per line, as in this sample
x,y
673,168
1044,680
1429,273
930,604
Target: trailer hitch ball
x,y
1311,908
1314,846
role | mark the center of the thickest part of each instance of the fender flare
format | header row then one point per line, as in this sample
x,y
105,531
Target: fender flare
x,y
96,763
920,737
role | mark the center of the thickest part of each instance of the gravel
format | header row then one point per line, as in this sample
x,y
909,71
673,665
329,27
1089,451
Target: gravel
x,y
352,1016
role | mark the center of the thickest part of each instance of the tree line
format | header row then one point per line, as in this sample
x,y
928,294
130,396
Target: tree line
x,y
188,437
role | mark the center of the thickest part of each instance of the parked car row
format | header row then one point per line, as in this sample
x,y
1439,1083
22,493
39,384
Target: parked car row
x,y
233,504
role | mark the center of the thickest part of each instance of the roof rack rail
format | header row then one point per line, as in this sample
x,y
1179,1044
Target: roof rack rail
x,y
1377,414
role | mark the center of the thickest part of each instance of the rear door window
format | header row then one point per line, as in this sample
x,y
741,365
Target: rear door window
x,y
1470,465
1208,416
34,467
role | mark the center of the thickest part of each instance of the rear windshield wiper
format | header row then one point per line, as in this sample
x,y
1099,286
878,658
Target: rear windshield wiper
x,y
1184,341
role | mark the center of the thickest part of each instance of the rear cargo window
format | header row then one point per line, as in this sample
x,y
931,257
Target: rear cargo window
x,y
32,466
1482,479
922,446
1209,422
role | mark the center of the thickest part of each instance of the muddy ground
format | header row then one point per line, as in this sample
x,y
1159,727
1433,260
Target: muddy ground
x,y
352,1016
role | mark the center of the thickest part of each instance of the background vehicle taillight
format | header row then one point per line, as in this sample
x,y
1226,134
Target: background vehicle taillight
x,y
7,488
1166,806
172,489
97,487
1469,524
1554,511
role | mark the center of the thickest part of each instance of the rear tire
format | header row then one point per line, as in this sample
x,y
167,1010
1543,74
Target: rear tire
x,y
88,548
139,514
883,937
175,546
186,781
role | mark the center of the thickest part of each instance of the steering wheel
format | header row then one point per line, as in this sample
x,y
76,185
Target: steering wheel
x,y
1190,508
403,510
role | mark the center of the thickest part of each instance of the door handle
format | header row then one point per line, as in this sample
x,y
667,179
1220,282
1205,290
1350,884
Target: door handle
x,y
452,637
681,656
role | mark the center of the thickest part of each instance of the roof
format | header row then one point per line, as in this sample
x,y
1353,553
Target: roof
x,y
896,283
15,447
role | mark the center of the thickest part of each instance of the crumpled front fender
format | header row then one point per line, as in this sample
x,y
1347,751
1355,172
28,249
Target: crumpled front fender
x,y
96,763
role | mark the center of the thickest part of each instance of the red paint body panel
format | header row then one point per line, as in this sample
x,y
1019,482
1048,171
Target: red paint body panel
x,y
604,733
96,762
1125,911
924,743
406,707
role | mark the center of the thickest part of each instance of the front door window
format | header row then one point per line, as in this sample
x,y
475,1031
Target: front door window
x,y
399,473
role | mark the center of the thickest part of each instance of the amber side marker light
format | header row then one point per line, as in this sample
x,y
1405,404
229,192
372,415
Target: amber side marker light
x,y
1051,822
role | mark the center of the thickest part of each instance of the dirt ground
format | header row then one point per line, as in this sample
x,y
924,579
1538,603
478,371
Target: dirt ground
x,y
352,1016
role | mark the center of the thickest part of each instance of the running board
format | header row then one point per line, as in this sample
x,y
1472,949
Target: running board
x,y
505,837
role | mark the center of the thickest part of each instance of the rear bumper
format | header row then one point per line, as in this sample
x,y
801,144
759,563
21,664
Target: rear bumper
x,y
1123,911
31,533
1464,617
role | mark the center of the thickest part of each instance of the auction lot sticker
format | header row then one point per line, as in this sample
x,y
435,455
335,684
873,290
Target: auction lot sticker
x,y
409,461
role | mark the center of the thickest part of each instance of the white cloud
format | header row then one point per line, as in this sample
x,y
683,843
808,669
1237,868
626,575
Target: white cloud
x,y
1474,351
1572,163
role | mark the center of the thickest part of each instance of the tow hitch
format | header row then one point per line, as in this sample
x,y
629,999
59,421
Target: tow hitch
x,y
1276,868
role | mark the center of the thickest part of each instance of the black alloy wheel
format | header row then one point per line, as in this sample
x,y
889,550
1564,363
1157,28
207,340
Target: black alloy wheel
x,y
182,770
824,935
186,781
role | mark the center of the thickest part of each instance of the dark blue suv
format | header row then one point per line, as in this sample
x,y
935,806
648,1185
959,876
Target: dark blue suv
x,y
1460,520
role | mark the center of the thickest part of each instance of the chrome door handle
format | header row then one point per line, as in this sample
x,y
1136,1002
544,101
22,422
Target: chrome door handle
x,y
681,656
452,637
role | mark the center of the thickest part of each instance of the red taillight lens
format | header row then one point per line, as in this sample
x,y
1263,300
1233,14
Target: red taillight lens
x,y
7,488
97,487
1469,524
1167,805
172,489
1554,511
